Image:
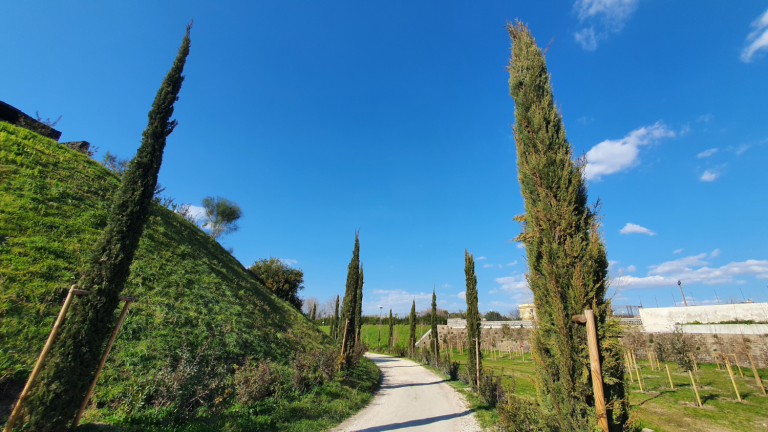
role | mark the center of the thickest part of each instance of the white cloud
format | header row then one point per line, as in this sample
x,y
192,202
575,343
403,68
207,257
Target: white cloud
x,y
631,228
631,269
612,263
741,149
520,245
693,269
706,118
516,286
610,15
585,120
487,265
586,38
446,285
714,253
512,263
707,153
197,212
289,262
677,251
480,258
462,295
611,156
685,130
757,39
397,299
710,175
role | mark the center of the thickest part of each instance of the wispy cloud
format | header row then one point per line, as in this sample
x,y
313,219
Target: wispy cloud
x,y
521,246
611,156
516,286
757,40
631,269
631,228
397,299
707,153
480,258
677,251
585,120
512,263
446,285
706,118
693,269
603,17
487,265
714,253
462,295
289,261
710,175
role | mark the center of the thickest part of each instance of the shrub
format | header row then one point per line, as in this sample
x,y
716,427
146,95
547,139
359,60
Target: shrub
x,y
306,371
490,389
451,368
256,382
517,414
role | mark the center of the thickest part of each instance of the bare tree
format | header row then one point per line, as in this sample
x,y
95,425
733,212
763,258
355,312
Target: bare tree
x,y
309,304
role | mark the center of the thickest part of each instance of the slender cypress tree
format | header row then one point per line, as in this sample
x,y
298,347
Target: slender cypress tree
x,y
473,320
359,314
314,313
350,301
71,366
391,328
412,322
434,336
334,322
567,263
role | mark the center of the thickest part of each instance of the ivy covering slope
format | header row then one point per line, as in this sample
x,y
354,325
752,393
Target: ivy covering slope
x,y
199,311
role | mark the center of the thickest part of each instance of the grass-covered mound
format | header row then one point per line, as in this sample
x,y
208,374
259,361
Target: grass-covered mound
x,y
199,316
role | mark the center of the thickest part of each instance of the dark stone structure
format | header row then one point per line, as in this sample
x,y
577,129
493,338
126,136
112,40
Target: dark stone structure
x,y
15,116
83,147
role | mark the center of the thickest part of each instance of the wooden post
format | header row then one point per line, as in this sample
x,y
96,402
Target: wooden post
x,y
637,372
101,364
343,344
736,360
39,364
757,376
717,360
597,375
730,372
629,366
671,386
696,391
695,365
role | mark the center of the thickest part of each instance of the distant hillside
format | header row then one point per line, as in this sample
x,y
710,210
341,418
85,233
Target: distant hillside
x,y
199,311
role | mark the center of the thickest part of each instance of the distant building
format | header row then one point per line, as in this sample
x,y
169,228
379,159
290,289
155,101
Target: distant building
x,y
527,312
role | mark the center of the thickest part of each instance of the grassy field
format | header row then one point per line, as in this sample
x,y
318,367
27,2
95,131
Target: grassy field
x,y
370,334
199,311
660,408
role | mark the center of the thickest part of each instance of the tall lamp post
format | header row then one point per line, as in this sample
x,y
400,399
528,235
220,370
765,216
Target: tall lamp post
x,y
380,327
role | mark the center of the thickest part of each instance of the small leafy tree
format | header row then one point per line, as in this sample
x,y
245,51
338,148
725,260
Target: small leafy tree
x,y
71,365
221,216
391,330
412,322
494,316
280,278
435,341
115,164
473,320
680,348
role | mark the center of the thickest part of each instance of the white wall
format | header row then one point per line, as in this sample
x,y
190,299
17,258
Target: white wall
x,y
664,319
745,329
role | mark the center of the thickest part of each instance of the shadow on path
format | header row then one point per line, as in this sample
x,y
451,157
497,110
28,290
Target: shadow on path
x,y
413,423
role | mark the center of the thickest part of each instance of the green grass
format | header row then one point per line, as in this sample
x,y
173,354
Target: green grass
x,y
370,334
199,311
658,408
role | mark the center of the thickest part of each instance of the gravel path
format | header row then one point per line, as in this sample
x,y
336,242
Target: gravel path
x,y
411,398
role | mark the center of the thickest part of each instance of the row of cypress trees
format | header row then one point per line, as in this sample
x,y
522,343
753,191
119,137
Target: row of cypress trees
x,y
70,368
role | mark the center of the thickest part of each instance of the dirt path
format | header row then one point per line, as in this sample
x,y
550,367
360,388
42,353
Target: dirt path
x,y
411,398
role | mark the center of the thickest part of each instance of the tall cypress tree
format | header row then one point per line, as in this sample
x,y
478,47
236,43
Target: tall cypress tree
x,y
567,263
412,322
473,320
71,366
314,312
391,328
334,322
350,301
359,314
435,341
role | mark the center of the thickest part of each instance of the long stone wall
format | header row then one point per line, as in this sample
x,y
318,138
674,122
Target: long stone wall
x,y
665,319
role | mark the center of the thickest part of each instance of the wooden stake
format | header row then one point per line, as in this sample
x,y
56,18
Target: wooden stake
x,y
597,376
695,390
629,366
637,371
101,364
736,360
343,344
757,376
695,366
733,381
717,360
671,386
39,365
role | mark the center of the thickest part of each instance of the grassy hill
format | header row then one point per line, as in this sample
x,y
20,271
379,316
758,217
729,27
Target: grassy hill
x,y
199,316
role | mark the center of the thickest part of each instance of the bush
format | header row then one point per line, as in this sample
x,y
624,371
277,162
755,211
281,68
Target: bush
x,y
254,383
451,368
491,390
517,414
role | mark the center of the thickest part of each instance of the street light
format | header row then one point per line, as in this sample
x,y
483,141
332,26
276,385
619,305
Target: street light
x,y
380,327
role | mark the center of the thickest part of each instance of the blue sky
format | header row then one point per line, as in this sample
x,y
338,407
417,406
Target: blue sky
x,y
320,118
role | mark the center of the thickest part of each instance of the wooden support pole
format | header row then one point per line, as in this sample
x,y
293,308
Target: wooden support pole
x,y
736,360
757,376
40,360
695,390
629,366
733,381
695,365
717,360
343,344
637,371
101,364
671,386
597,375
